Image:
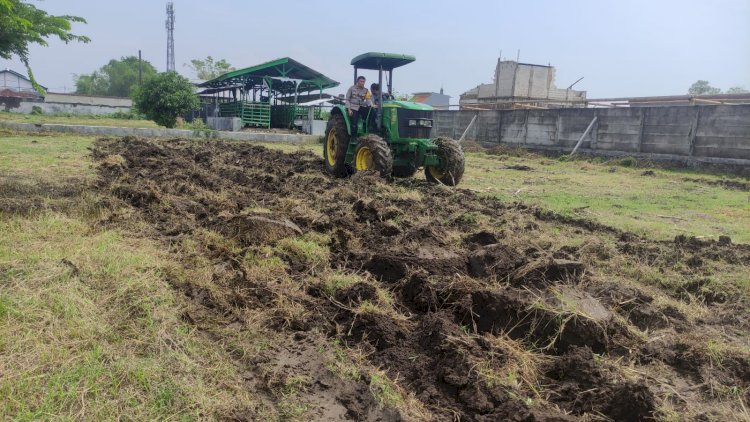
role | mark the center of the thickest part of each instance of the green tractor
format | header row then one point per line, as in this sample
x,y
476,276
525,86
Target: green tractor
x,y
398,143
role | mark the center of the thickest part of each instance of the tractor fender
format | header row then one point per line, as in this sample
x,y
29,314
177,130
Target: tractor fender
x,y
339,109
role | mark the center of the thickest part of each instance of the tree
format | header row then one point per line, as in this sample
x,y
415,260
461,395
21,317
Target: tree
x,y
702,87
22,24
164,97
737,90
208,68
116,78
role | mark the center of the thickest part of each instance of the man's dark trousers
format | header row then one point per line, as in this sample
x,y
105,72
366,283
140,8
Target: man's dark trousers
x,y
354,119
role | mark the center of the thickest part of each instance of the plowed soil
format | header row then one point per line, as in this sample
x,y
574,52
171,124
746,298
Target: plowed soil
x,y
479,310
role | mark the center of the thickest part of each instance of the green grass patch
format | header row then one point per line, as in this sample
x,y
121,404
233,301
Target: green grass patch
x,y
309,251
384,391
337,280
660,206
116,120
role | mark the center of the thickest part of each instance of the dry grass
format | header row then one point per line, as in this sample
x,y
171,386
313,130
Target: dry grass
x,y
351,363
90,329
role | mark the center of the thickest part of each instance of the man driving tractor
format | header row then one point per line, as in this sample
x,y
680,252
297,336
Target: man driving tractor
x,y
358,103
396,140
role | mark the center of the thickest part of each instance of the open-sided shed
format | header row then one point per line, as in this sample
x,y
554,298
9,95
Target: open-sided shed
x,y
253,93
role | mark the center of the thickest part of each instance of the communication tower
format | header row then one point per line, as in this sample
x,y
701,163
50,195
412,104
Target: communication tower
x,y
170,37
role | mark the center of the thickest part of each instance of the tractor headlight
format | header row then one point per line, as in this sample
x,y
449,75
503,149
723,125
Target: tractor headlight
x,y
420,122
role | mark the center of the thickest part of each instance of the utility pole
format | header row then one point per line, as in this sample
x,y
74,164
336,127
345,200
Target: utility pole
x,y
170,37
140,69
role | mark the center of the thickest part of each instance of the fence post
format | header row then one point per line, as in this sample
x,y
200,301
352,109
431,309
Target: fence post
x,y
526,126
469,127
586,132
499,126
595,133
640,131
693,131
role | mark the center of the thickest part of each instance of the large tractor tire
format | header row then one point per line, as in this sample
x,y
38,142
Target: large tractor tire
x,y
335,145
373,154
452,170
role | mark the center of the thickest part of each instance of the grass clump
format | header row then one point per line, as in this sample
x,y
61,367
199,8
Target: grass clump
x,y
337,280
307,252
384,391
628,162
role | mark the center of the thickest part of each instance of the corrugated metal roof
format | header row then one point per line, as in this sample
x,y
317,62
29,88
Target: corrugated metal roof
x,y
283,73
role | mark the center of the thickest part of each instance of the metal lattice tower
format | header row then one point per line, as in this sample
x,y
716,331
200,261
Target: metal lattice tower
x,y
170,37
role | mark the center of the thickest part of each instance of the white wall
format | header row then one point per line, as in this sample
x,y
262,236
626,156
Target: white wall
x,y
56,97
13,82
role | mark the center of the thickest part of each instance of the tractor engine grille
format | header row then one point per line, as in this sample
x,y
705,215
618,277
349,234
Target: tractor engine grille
x,y
406,131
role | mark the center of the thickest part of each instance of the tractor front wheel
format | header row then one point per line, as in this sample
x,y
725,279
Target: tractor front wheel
x,y
335,145
373,154
452,169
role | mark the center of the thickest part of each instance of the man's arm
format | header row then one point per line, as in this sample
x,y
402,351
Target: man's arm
x,y
347,100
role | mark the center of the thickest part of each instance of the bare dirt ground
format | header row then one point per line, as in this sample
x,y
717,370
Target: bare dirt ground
x,y
471,309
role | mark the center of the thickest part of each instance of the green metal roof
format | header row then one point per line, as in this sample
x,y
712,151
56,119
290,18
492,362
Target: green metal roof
x,y
388,61
279,71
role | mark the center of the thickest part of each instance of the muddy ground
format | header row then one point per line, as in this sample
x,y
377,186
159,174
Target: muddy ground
x,y
476,310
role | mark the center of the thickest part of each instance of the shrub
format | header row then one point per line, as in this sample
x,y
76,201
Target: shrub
x,y
164,97
629,162
36,110
197,124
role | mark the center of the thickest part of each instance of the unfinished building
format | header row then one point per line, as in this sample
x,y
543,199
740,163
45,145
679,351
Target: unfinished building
x,y
521,85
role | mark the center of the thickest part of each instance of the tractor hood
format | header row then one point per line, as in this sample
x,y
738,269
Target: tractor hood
x,y
409,105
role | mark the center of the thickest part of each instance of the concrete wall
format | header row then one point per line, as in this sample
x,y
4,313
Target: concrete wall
x,y
721,132
520,81
160,132
532,81
231,124
65,108
55,103
60,98
504,76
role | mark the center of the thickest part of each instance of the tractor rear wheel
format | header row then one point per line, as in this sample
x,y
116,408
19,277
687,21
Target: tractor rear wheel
x,y
373,154
335,145
452,169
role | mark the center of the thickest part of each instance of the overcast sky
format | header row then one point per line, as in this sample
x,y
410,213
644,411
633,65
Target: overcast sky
x,y
621,48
